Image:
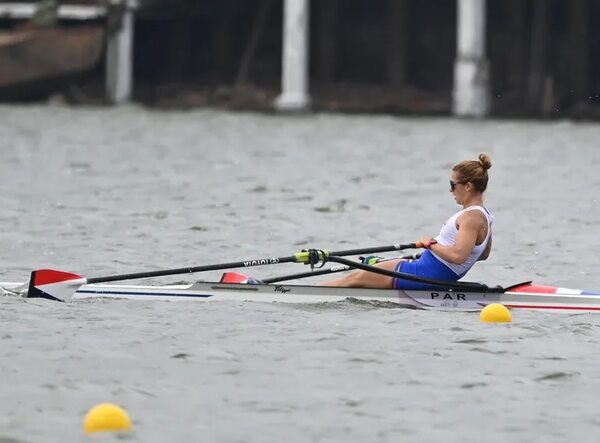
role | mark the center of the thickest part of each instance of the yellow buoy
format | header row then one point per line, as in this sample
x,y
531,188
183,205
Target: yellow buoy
x,y
106,417
495,313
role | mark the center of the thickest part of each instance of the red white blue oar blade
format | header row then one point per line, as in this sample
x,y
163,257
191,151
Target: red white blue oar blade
x,y
233,277
236,277
54,285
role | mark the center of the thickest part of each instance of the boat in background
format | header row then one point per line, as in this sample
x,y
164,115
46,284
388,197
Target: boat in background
x,y
32,54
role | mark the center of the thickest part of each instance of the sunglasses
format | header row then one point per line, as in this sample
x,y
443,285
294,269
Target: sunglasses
x,y
453,184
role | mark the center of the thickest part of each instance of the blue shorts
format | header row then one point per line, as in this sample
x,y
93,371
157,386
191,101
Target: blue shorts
x,y
427,266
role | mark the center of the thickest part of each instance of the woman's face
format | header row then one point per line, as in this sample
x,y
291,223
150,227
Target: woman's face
x,y
458,188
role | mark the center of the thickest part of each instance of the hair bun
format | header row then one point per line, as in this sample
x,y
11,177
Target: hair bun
x,y
484,161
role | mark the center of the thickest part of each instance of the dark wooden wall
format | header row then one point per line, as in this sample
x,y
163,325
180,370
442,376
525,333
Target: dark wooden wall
x,y
544,54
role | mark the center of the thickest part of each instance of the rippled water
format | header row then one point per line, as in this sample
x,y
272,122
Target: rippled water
x,y
103,191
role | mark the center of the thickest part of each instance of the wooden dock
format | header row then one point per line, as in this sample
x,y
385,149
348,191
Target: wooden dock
x,y
468,58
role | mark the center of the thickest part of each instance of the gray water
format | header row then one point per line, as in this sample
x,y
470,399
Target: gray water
x,y
100,191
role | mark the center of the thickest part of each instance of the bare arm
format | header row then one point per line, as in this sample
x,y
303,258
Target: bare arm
x,y
469,225
485,254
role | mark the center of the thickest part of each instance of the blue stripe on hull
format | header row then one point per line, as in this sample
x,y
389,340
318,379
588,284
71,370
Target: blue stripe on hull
x,y
144,294
590,292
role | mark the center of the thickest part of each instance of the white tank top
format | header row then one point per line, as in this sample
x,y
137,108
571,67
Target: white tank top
x,y
447,236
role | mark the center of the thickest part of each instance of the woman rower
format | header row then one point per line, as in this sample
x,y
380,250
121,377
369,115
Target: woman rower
x,y
465,238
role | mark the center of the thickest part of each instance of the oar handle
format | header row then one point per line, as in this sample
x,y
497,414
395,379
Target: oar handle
x,y
375,250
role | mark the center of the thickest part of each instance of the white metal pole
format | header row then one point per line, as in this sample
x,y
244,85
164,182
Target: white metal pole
x,y
471,95
119,56
294,79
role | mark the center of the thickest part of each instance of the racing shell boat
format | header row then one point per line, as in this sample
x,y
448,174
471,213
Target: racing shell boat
x,y
522,296
442,295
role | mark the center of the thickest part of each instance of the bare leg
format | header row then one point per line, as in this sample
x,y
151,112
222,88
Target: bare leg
x,y
366,279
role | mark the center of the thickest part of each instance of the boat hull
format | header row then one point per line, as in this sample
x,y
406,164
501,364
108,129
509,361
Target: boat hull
x,y
520,297
35,54
524,296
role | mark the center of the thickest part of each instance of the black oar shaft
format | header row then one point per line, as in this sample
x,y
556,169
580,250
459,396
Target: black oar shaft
x,y
302,257
216,267
463,286
332,270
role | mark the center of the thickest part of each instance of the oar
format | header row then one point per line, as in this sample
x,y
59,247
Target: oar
x,y
288,277
349,264
332,270
463,286
60,285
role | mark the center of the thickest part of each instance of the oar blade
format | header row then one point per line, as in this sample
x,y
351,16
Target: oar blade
x,y
54,285
236,277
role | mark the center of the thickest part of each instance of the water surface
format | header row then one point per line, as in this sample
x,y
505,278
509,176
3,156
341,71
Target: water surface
x,y
101,191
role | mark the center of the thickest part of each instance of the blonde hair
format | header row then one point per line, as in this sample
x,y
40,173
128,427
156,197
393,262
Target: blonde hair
x,y
474,171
